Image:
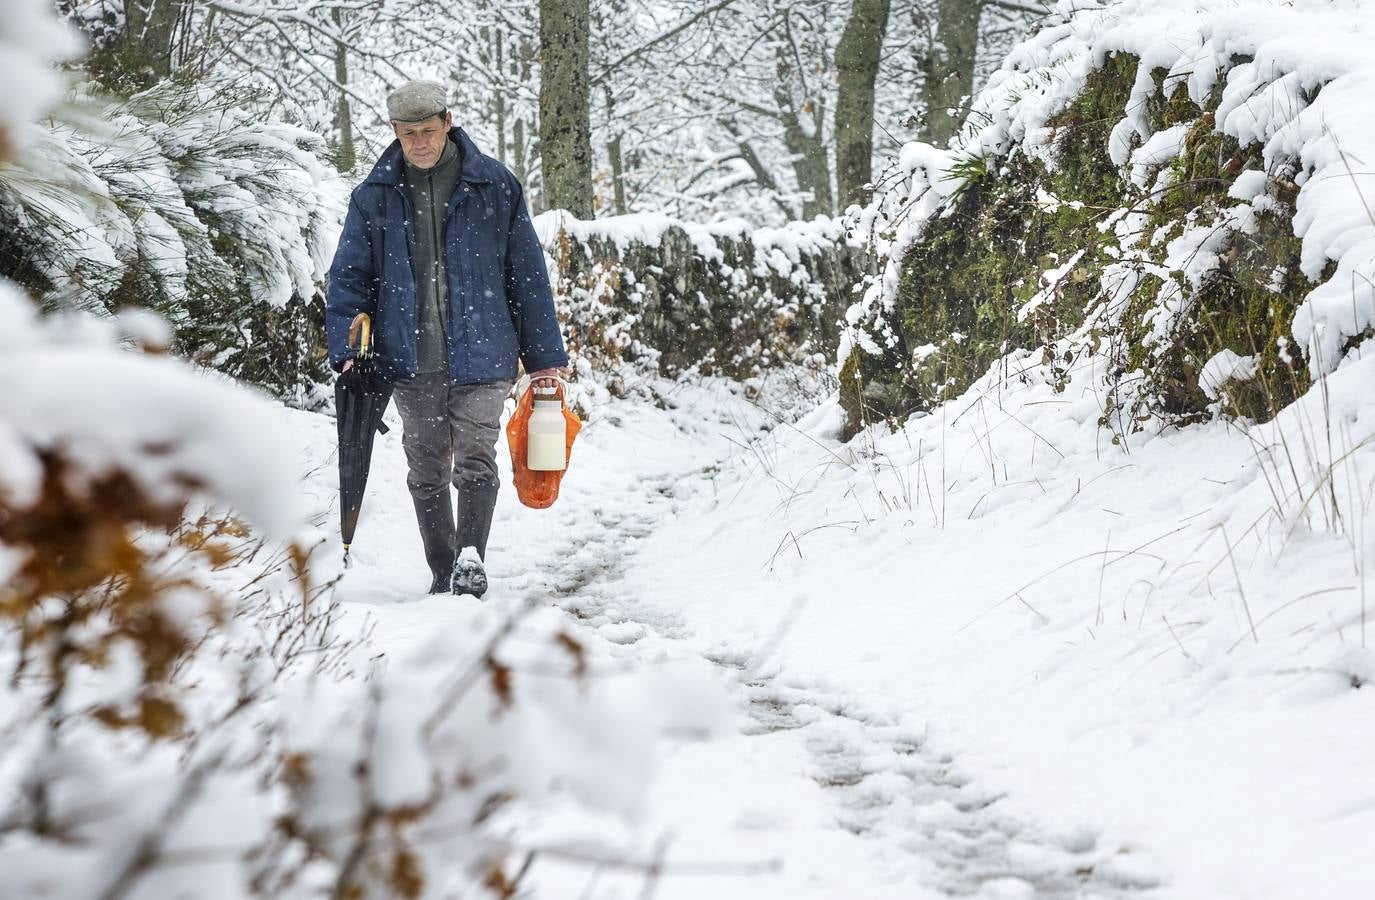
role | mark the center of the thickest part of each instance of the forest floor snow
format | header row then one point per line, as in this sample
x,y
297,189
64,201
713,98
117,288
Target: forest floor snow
x,y
992,655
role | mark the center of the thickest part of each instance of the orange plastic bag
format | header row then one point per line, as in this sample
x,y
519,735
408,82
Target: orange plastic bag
x,y
537,490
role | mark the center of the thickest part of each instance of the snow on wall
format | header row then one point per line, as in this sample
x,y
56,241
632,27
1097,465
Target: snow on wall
x,y
1297,78
782,247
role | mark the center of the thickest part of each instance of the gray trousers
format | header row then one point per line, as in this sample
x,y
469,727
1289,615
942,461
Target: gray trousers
x,y
449,432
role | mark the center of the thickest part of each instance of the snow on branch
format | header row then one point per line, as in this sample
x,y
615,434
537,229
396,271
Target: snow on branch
x,y
180,201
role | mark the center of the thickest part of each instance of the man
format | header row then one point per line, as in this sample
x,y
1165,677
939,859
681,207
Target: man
x,y
438,248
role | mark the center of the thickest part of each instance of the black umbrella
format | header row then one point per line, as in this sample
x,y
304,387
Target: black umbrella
x,y
361,396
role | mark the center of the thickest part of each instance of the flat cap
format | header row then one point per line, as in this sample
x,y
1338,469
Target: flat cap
x,y
416,101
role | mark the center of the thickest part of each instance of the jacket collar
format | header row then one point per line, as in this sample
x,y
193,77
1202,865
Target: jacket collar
x,y
389,164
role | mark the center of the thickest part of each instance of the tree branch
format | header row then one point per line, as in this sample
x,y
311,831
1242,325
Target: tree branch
x,y
610,67
1013,6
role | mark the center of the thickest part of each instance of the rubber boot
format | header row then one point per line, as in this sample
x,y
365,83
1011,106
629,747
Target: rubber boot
x,y
436,518
476,502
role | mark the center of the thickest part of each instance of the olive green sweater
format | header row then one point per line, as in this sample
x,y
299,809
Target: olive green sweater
x,y
430,190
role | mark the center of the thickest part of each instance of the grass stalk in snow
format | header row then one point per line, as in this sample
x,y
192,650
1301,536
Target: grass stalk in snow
x,y
1102,572
1178,643
1241,588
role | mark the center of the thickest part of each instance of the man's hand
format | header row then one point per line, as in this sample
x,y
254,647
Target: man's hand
x,y
548,377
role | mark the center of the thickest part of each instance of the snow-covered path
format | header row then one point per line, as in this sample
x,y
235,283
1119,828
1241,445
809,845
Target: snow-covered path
x,y
991,655
847,768
824,792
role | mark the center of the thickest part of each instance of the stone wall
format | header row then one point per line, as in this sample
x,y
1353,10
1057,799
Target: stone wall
x,y
723,299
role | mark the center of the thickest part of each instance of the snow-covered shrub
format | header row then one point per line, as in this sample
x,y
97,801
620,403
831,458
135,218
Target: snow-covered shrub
x,y
113,589
677,296
180,201
183,716
1151,184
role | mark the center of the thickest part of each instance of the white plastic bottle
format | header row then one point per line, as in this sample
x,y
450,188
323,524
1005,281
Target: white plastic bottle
x,y
548,433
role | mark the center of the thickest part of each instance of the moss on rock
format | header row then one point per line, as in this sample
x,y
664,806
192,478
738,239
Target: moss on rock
x,y
1020,231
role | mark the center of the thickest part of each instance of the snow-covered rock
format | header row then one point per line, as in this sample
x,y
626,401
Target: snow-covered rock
x,y
1283,85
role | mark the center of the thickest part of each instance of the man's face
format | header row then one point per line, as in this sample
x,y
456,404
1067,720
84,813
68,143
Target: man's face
x,y
423,142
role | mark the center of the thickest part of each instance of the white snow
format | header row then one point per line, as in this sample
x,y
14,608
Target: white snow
x,y
1223,367
782,247
108,411
31,40
1158,150
1248,186
975,657
1051,285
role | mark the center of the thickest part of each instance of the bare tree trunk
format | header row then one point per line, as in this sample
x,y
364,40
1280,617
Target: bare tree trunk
x,y
518,150
492,56
802,134
565,127
761,171
343,116
519,164
149,28
500,99
613,152
613,148
857,62
949,68
813,169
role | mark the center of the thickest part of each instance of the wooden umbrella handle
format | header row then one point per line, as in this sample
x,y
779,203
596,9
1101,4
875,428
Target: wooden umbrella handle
x,y
361,326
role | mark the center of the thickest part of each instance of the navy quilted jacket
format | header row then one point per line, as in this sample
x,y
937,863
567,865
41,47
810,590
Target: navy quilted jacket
x,y
500,306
